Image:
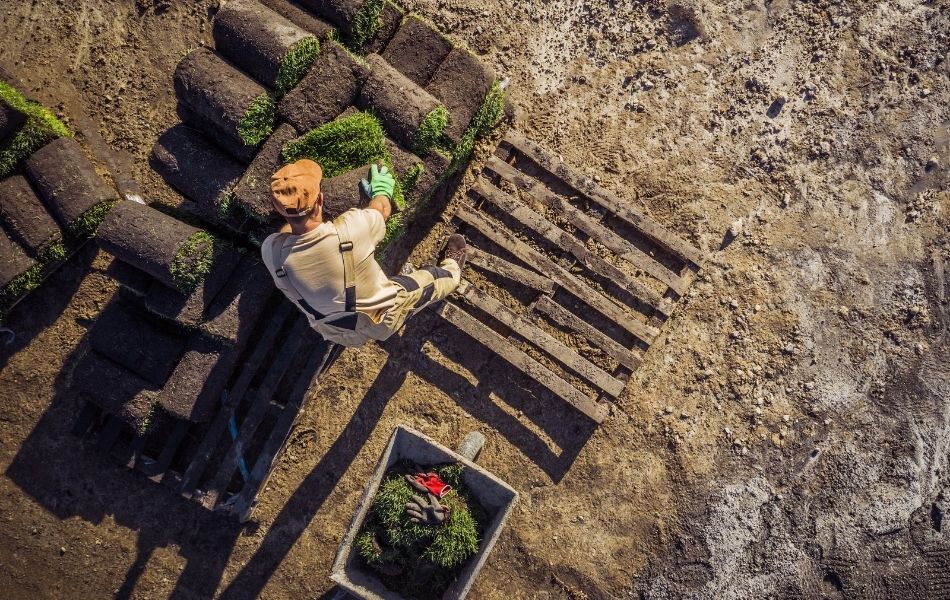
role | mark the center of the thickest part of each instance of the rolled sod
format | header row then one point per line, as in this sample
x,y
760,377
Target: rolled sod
x,y
193,391
417,50
189,309
257,39
390,18
216,135
10,120
40,127
461,84
114,389
198,170
14,262
401,105
356,20
433,166
342,192
131,340
252,193
237,307
331,85
25,218
220,94
300,17
67,181
173,252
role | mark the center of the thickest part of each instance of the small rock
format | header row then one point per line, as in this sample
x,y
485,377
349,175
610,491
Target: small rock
x,y
733,303
932,163
668,410
924,92
735,228
650,44
62,550
809,385
684,415
647,85
786,418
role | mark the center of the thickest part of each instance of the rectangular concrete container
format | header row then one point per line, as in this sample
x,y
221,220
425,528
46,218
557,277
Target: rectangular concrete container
x,y
496,496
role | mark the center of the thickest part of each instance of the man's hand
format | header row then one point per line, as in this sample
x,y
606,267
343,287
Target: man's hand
x,y
380,188
381,182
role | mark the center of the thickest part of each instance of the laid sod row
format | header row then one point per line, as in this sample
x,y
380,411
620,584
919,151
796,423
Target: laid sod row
x,y
332,85
200,171
239,112
25,218
410,114
417,50
264,44
25,135
173,252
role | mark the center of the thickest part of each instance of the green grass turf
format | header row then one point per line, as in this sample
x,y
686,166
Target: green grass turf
x,y
41,127
296,63
258,122
193,261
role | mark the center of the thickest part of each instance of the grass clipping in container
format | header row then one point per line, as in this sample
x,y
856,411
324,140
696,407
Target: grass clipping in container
x,y
419,560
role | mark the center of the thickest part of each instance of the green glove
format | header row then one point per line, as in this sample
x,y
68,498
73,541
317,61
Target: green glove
x,y
381,182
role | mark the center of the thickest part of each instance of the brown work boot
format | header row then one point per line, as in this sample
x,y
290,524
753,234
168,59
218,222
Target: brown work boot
x,y
455,249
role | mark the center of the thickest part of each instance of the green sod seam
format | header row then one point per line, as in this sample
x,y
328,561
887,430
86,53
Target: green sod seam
x,y
411,178
193,261
365,24
258,122
430,130
151,418
87,224
296,63
226,204
55,251
488,115
41,127
26,281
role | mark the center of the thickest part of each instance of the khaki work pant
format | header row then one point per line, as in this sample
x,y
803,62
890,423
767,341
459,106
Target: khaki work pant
x,y
419,289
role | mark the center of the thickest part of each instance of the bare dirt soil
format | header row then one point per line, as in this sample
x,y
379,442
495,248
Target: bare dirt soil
x,y
788,437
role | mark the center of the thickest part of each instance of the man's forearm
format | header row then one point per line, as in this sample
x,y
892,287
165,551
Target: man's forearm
x,y
382,205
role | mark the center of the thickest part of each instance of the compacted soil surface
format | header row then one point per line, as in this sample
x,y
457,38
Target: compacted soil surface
x,y
787,436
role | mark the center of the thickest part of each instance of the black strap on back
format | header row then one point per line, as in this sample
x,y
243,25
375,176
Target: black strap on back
x,y
346,319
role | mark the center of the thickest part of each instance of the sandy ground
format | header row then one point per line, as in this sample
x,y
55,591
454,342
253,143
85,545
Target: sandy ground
x,y
788,437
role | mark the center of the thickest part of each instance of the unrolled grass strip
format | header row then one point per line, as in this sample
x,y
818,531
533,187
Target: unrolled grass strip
x,y
41,127
193,261
296,63
86,225
365,24
258,122
431,129
341,145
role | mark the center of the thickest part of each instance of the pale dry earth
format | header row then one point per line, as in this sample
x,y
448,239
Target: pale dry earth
x,y
788,436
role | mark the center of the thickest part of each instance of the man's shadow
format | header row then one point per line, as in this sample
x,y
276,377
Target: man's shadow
x,y
566,427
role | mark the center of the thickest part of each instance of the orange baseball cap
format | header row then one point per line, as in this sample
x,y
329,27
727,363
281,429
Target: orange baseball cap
x,y
295,187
